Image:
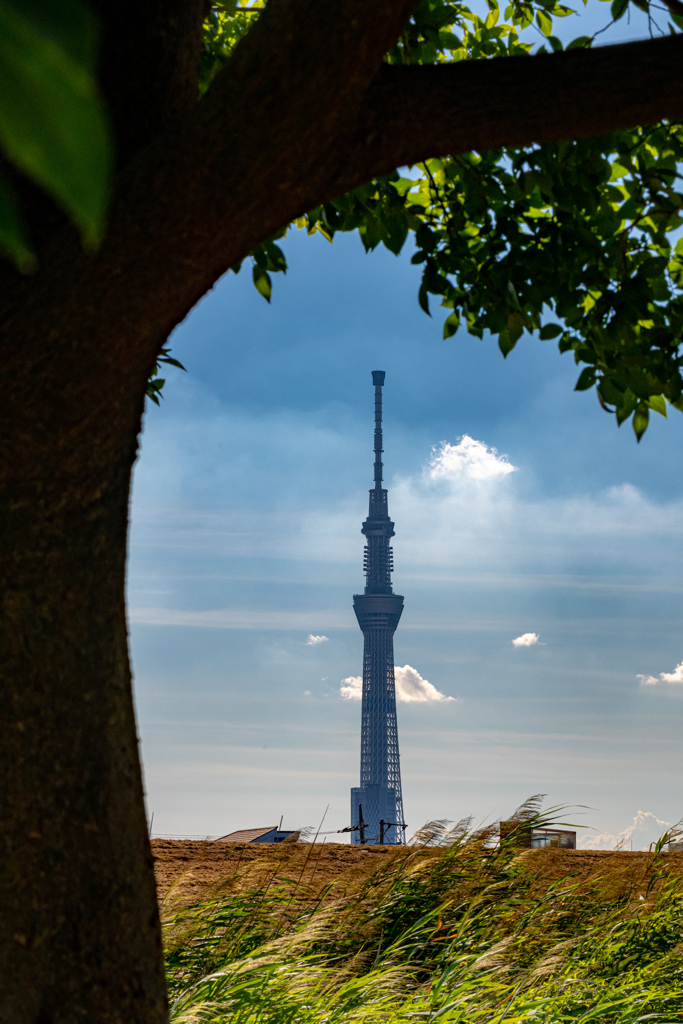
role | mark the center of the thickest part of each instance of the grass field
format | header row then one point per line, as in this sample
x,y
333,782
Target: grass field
x,y
464,932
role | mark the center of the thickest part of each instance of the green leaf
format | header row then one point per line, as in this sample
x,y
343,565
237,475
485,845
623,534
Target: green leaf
x,y
549,331
155,384
166,357
370,233
544,22
451,325
515,327
506,343
610,393
154,389
493,16
70,25
625,407
423,298
394,230
403,185
658,404
262,282
580,43
271,257
586,379
618,8
641,418
512,296
52,121
13,239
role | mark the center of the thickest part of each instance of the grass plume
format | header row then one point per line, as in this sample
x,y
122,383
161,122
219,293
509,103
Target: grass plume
x,y
455,928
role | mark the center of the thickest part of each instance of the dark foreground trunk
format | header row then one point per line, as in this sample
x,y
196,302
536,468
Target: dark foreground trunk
x,y
80,937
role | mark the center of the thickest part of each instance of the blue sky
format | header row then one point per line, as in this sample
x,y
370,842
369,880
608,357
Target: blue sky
x,y
248,499
245,542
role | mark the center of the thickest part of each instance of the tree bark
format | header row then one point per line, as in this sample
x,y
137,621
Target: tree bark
x,y
80,936
516,101
148,65
303,112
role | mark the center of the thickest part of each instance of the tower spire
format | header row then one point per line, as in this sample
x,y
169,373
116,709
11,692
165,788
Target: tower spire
x,y
378,380
378,563
378,611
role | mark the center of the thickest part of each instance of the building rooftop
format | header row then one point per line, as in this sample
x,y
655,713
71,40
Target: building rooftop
x,y
246,835
270,834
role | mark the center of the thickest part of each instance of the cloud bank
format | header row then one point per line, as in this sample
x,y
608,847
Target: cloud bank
x,y
664,677
526,640
411,688
645,829
313,641
467,458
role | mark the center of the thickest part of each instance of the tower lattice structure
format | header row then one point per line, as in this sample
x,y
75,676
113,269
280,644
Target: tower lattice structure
x,y
377,804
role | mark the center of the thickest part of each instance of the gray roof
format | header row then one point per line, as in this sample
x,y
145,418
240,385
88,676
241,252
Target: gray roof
x,y
246,835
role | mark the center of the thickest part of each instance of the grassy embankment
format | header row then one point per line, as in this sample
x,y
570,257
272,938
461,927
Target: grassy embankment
x,y
464,932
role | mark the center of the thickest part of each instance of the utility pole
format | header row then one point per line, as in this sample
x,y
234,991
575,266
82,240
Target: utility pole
x,y
384,827
360,827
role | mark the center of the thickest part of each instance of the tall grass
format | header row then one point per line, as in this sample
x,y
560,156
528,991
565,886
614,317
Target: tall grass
x,y
454,930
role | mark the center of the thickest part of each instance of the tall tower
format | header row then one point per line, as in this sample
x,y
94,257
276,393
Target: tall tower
x,y
378,611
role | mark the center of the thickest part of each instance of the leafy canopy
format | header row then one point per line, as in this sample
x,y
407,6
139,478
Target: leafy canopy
x,y
576,241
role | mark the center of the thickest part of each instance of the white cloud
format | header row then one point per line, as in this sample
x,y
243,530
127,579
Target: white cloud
x,y
411,688
526,640
645,829
469,458
352,688
314,640
664,677
673,677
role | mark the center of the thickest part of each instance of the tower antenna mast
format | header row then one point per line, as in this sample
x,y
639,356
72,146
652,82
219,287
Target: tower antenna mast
x,y
378,381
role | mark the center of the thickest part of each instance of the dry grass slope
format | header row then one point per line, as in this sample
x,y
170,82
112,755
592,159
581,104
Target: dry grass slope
x,y
460,933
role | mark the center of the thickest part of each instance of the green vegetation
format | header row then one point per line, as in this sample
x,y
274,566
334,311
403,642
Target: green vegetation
x,y
576,241
464,932
53,126
585,233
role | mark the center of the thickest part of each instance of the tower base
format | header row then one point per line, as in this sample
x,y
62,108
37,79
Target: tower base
x,y
378,803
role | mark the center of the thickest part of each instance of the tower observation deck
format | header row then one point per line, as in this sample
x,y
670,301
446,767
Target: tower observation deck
x,y
377,804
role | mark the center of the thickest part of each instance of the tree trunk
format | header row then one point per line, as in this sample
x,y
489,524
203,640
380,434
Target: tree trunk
x,y
80,939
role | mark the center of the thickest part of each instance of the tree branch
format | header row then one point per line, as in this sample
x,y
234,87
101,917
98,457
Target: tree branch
x,y
290,125
418,112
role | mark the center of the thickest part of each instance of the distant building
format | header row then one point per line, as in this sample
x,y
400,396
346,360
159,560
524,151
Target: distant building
x,y
553,837
271,834
531,838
